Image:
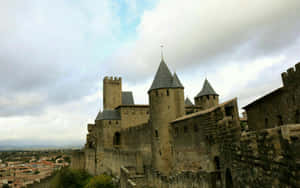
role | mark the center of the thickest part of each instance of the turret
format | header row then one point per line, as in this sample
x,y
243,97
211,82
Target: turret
x,y
291,78
166,98
112,92
207,97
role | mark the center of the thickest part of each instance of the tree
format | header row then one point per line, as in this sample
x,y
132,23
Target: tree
x,y
5,186
70,178
101,181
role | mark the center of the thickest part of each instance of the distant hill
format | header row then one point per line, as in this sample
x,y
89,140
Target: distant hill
x,y
34,145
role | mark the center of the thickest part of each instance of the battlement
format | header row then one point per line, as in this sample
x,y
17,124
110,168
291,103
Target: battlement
x,y
111,78
291,76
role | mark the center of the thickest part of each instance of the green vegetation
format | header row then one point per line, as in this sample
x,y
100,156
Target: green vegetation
x,y
101,181
67,178
5,186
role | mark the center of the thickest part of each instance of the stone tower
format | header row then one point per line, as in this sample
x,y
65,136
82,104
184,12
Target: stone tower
x,y
112,92
166,98
207,97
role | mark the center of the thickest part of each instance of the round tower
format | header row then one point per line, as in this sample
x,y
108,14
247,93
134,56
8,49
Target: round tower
x,y
166,98
207,97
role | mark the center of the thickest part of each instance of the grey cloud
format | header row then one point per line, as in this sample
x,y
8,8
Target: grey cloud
x,y
46,51
209,34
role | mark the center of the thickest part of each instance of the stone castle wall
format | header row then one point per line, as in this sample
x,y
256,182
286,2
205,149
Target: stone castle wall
x,y
202,149
78,160
196,138
281,106
134,115
268,158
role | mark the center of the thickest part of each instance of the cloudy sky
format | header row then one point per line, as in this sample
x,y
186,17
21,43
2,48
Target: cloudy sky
x,y
55,53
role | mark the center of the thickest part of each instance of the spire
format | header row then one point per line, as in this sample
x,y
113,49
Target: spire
x,y
206,90
163,77
161,53
188,102
176,82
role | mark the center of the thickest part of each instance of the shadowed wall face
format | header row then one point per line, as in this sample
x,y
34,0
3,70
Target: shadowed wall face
x,y
279,107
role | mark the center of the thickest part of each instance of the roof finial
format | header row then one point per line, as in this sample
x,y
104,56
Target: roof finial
x,y
162,55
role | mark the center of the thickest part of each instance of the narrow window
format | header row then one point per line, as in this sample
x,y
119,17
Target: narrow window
x,y
279,119
229,110
195,128
156,133
217,163
156,93
167,92
297,118
266,123
117,122
207,97
185,129
109,122
117,139
176,131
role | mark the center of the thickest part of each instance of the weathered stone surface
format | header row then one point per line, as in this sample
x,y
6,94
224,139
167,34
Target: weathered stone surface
x,y
167,144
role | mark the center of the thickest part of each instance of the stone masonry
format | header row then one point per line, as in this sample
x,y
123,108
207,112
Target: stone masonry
x,y
173,143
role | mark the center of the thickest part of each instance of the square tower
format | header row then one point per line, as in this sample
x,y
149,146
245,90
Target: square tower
x,y
112,92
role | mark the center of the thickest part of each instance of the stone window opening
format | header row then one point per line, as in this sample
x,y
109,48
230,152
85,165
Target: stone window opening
x,y
160,152
168,92
117,122
109,122
156,133
185,129
207,97
229,111
195,128
266,123
117,139
176,131
297,116
217,163
229,182
218,180
156,92
280,121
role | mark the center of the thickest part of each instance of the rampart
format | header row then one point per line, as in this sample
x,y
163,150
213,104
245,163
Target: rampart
x,y
268,158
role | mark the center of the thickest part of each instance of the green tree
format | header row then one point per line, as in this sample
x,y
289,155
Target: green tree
x,y
67,159
67,178
5,186
101,181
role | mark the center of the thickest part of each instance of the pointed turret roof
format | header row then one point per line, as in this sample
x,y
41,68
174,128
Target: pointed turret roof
x,y
206,90
164,79
188,102
176,82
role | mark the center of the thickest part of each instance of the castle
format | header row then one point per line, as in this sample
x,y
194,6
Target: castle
x,y
174,143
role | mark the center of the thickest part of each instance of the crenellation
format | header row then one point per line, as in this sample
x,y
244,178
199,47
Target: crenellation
x,y
204,148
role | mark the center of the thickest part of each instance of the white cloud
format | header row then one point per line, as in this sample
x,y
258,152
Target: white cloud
x,y
208,32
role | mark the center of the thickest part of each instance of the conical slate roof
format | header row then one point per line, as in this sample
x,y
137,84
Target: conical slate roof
x,y
176,82
206,90
188,102
164,79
